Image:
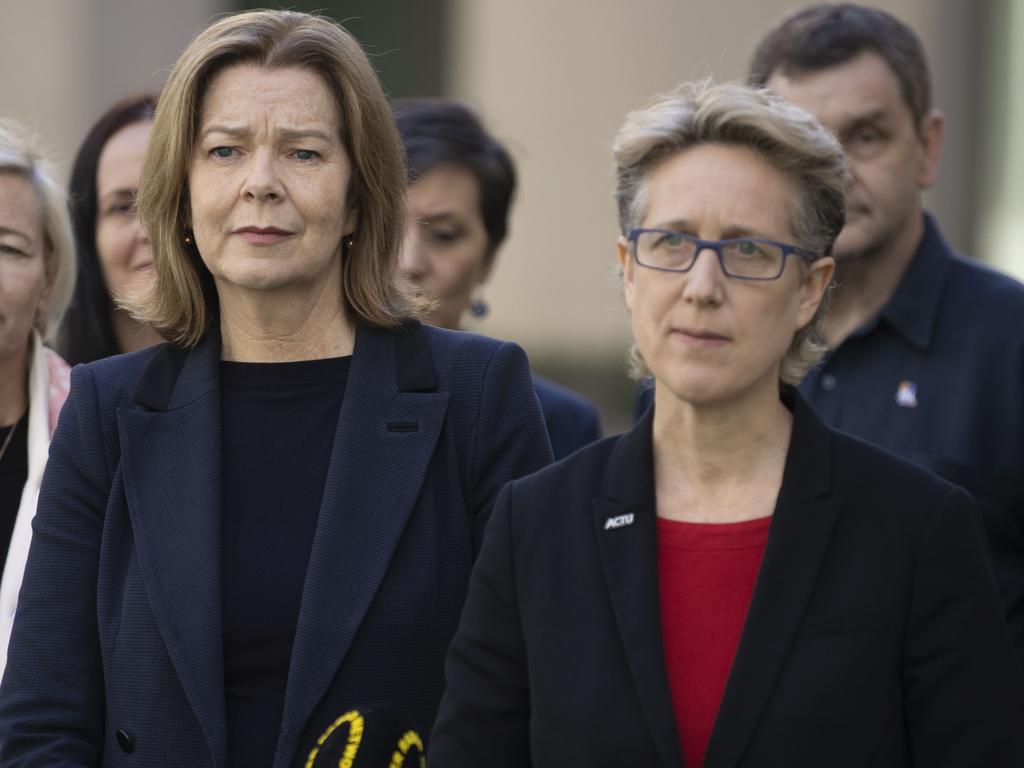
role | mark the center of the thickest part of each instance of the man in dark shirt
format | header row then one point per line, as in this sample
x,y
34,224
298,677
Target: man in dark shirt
x,y
926,348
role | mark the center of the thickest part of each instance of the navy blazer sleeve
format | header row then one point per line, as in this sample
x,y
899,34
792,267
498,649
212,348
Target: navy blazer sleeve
x,y
510,439
57,604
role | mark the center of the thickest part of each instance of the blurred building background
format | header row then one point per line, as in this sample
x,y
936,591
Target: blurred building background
x,y
553,79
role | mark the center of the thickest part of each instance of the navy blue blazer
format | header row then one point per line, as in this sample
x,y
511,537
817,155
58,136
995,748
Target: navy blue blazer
x,y
572,421
116,656
874,635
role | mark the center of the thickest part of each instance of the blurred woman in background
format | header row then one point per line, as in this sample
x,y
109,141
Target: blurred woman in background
x,y
730,583
114,255
37,275
461,185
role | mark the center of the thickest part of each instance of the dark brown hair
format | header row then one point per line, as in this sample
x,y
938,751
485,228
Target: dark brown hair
x,y
444,132
87,333
823,36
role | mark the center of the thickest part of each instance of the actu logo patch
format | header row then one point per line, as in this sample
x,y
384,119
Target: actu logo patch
x,y
618,522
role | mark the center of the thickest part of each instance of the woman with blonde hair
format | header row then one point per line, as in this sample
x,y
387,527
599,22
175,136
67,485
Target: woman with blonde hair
x,y
268,522
731,583
37,275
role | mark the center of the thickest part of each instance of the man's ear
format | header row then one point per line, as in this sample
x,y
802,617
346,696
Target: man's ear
x,y
627,265
933,126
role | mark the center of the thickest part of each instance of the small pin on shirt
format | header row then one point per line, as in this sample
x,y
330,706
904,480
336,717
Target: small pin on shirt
x,y
906,394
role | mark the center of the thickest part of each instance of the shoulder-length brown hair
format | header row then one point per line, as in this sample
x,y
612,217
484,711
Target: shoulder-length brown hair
x,y
183,299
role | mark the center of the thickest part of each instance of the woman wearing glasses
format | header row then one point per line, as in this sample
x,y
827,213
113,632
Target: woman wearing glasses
x,y
731,582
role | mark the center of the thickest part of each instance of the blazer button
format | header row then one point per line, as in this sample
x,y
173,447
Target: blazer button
x,y
126,742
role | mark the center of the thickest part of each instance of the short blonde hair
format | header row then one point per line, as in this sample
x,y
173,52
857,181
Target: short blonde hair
x,y
785,136
183,299
20,155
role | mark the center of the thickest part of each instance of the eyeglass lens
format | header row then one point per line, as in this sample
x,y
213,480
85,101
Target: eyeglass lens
x,y
740,258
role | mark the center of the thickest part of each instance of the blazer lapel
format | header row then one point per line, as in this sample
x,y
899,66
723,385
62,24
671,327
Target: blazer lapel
x,y
625,525
384,440
798,540
170,458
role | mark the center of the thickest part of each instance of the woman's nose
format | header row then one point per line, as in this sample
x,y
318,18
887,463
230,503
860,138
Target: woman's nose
x,y
704,280
261,181
141,234
412,260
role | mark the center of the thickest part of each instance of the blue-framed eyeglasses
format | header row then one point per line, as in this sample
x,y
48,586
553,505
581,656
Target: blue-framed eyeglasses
x,y
745,258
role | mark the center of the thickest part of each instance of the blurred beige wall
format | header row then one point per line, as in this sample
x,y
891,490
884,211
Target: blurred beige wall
x,y
63,62
1001,219
555,79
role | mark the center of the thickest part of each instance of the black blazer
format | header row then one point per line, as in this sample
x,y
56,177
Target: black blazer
x,y
116,657
874,636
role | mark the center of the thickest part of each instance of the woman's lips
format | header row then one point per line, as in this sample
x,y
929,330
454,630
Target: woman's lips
x,y
262,235
700,339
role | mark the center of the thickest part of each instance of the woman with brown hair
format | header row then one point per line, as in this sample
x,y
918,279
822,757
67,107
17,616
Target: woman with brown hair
x,y
461,184
114,257
270,520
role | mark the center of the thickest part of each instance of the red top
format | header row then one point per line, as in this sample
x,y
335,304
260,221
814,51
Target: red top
x,y
706,575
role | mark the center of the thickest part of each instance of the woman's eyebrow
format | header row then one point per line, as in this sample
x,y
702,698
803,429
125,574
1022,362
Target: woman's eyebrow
x,y
119,193
16,233
294,134
228,130
287,134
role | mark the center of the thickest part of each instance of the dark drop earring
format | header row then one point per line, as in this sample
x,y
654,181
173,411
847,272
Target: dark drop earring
x,y
478,308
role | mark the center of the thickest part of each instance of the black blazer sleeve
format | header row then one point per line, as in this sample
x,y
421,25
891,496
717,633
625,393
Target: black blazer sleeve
x,y
959,707
484,715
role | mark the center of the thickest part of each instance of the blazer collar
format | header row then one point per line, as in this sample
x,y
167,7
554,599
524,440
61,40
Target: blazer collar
x,y
170,458
177,376
387,431
390,420
807,474
625,525
798,539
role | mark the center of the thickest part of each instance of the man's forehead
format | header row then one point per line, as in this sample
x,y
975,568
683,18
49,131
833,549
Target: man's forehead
x,y
857,90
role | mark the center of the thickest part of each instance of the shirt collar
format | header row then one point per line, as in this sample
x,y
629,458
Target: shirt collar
x,y
914,308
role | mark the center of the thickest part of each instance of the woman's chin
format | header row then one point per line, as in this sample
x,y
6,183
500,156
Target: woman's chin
x,y
696,395
264,278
